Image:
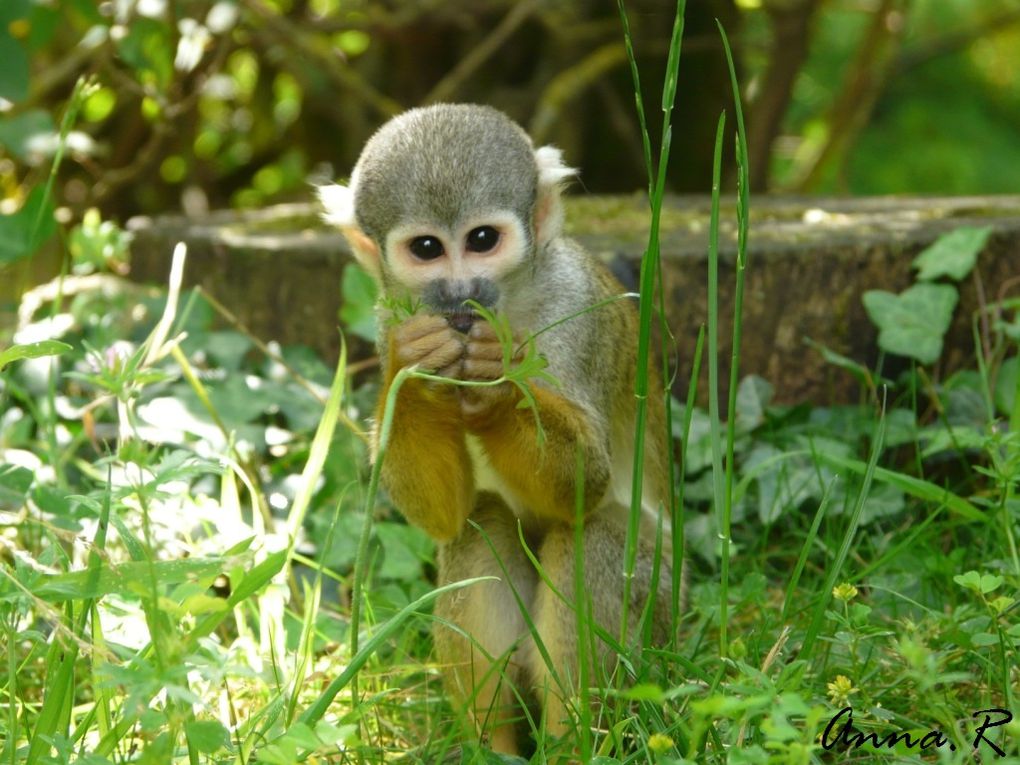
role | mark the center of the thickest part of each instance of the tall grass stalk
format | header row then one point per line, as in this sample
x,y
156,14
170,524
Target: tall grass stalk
x,y
55,714
678,500
836,566
319,449
805,549
649,273
312,597
361,556
718,486
11,626
582,612
359,658
83,87
743,211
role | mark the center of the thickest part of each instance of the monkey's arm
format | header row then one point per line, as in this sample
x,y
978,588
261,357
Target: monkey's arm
x,y
543,473
426,468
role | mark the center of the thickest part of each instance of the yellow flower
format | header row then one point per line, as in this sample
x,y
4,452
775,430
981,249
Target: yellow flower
x,y
845,592
660,743
840,690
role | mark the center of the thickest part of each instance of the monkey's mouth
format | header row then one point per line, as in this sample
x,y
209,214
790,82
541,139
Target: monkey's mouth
x,y
461,319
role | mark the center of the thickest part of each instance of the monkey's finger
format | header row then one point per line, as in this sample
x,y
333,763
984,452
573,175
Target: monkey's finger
x,y
484,351
454,371
481,370
421,325
443,356
483,331
415,350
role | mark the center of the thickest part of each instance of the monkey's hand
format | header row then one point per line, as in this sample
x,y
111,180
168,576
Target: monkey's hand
x,y
426,468
483,362
428,341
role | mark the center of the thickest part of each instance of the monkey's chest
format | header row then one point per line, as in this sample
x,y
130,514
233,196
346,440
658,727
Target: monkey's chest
x,y
487,479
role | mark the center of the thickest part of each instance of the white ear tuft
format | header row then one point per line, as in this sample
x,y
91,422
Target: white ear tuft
x,y
551,169
337,204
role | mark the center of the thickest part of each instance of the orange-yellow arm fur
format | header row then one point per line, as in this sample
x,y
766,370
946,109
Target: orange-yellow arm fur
x,y
541,473
426,468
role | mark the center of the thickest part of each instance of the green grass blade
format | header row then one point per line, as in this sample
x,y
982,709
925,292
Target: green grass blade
x,y
649,272
315,712
678,529
32,351
805,549
646,143
319,448
57,696
582,612
915,487
107,579
11,745
743,212
718,479
835,568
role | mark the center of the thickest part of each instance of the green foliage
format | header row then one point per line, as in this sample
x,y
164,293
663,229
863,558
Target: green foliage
x,y
187,517
360,294
32,351
954,254
903,589
15,71
98,245
20,132
947,102
982,584
22,232
914,322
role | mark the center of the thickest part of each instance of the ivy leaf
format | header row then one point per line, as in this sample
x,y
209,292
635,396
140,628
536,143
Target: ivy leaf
x,y
147,50
15,482
753,396
914,322
14,72
357,311
207,736
18,132
954,254
1007,384
22,233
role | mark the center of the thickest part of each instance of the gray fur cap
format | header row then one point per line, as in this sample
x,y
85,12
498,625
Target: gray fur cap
x,y
439,163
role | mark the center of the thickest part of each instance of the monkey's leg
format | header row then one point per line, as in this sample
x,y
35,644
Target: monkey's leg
x,y
556,682
482,667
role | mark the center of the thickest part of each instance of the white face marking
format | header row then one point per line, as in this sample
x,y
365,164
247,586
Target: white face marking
x,y
456,262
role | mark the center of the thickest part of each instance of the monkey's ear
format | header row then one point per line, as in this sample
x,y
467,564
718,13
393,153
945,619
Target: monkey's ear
x,y
338,208
553,174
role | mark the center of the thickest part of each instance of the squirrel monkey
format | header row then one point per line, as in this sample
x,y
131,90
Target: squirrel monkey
x,y
451,203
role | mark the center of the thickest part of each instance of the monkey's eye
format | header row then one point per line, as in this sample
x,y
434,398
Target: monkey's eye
x,y
426,247
482,239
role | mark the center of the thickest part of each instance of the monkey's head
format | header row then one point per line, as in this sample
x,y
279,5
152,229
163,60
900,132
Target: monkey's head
x,y
449,203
